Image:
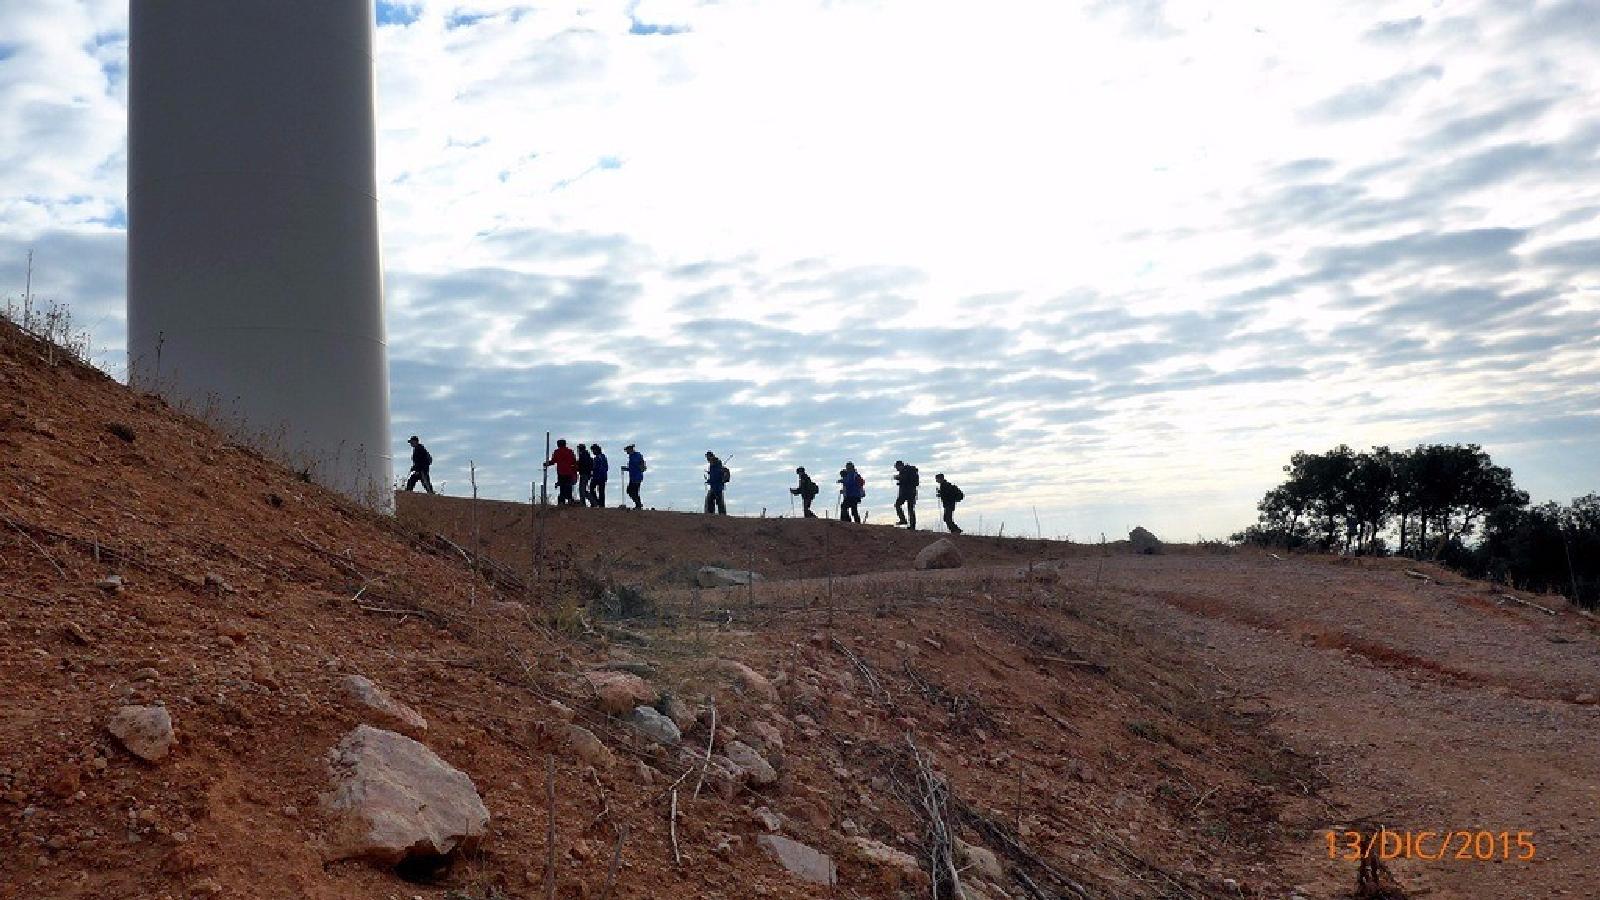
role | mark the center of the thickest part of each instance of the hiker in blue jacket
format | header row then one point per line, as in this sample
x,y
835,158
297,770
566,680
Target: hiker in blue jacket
x,y
635,468
716,480
854,489
597,477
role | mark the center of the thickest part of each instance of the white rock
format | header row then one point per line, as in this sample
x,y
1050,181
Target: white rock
x,y
941,554
655,726
803,862
145,730
392,799
712,577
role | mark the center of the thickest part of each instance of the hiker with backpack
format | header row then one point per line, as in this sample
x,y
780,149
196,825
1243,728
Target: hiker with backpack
x,y
717,478
949,496
597,477
807,491
854,490
635,468
585,472
566,463
905,502
421,461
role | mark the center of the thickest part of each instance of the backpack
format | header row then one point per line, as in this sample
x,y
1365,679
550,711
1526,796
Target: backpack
x,y
909,477
642,466
727,474
956,494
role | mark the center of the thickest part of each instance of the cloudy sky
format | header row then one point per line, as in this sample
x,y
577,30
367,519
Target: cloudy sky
x,y
1113,260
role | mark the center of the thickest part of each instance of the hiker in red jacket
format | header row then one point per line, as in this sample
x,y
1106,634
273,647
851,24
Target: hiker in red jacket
x,y
566,463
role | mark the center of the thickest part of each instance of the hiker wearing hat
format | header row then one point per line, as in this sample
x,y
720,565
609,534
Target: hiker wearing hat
x,y
421,460
717,476
905,502
949,496
635,468
807,491
597,477
853,490
566,463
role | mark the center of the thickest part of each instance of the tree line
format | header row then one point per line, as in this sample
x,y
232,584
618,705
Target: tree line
x,y
1445,502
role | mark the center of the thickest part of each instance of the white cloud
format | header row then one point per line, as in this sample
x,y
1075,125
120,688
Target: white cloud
x,y
1166,243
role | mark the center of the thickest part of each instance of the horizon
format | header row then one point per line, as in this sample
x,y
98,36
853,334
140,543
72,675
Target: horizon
x,y
1113,262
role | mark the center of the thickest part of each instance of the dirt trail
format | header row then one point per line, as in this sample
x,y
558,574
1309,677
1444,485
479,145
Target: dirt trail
x,y
1431,707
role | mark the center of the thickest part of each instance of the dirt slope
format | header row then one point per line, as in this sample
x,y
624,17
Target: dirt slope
x,y
1119,727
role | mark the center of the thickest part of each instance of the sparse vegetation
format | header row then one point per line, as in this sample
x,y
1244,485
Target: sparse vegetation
x,y
1445,502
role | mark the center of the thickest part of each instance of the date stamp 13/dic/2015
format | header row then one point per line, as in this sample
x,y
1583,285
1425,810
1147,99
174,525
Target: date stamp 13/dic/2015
x,y
1466,845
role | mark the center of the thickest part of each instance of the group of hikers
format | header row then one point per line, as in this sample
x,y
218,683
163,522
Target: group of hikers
x,y
581,478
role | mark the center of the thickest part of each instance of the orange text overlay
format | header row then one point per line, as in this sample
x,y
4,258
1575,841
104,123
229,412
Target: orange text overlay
x,y
1467,846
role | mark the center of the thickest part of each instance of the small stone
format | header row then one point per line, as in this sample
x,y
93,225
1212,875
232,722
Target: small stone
x,y
147,673
756,769
768,735
753,681
941,554
218,582
897,864
619,692
146,731
560,710
655,726
77,635
712,577
1586,699
767,819
583,744
678,711
981,860
111,583
363,691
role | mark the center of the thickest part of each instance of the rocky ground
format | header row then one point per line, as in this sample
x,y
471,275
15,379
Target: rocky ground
x,y
219,680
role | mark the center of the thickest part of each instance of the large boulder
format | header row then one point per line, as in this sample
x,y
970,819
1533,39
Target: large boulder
x,y
941,554
393,800
802,862
146,731
619,692
1143,541
361,689
714,577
